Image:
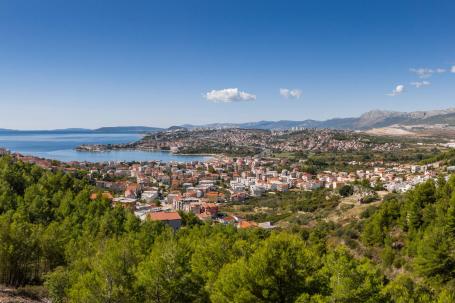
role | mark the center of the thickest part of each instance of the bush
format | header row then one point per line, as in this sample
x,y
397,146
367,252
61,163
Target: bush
x,y
346,191
368,212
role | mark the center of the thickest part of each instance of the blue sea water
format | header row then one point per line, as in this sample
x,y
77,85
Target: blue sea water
x,y
60,147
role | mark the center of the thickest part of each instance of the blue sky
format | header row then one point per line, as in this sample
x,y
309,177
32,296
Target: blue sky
x,y
160,63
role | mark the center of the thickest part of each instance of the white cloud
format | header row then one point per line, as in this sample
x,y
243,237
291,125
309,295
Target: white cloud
x,y
453,69
419,84
427,72
229,95
291,93
397,90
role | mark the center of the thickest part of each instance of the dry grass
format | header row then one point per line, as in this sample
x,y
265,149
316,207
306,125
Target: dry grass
x,y
27,294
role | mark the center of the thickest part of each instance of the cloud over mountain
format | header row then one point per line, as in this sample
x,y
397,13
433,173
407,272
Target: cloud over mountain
x,y
397,90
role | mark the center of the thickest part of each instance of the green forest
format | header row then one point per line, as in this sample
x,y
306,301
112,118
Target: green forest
x,y
80,250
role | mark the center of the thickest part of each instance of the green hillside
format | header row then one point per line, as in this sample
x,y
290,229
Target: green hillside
x,y
82,250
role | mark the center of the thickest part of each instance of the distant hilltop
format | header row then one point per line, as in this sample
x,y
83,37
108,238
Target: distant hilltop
x,y
369,120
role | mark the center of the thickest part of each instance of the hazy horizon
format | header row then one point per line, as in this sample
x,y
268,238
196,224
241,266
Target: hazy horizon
x,y
209,123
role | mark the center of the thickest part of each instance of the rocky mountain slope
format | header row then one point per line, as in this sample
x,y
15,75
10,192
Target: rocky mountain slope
x,y
368,120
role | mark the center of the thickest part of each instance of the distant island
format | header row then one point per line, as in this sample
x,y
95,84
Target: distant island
x,y
102,130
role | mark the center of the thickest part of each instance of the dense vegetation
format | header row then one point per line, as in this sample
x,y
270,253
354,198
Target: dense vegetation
x,y
307,201
316,162
415,235
52,234
447,157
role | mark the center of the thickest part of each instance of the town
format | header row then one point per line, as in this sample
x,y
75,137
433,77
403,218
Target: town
x,y
242,142
162,191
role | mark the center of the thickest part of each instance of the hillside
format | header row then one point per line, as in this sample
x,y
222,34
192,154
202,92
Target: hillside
x,y
126,129
236,141
368,120
83,250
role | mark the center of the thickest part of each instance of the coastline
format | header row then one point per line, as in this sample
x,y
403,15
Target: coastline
x,y
44,158
147,150
58,147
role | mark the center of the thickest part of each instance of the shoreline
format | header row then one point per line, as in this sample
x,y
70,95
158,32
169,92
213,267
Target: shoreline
x,y
147,150
37,157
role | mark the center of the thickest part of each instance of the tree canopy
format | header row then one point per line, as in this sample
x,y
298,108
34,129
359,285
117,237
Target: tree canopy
x,y
83,250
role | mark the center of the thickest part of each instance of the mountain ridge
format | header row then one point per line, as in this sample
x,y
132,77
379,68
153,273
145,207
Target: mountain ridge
x,y
101,130
368,120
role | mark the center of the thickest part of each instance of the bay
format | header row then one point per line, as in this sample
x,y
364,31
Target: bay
x,y
58,146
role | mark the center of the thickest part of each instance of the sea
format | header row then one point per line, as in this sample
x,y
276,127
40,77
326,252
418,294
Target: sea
x,y
61,147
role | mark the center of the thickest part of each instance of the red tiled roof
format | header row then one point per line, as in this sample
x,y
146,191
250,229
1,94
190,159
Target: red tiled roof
x,y
164,216
105,195
247,224
209,205
212,194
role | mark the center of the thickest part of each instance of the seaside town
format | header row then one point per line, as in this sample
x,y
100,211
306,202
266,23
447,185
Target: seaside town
x,y
236,141
162,191
227,151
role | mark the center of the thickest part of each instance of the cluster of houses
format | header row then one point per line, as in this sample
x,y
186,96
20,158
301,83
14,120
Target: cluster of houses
x,y
152,188
159,191
248,141
398,178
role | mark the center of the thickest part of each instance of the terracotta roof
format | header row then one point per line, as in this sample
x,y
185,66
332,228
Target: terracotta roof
x,y
212,194
133,186
247,224
209,205
164,216
229,219
105,195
